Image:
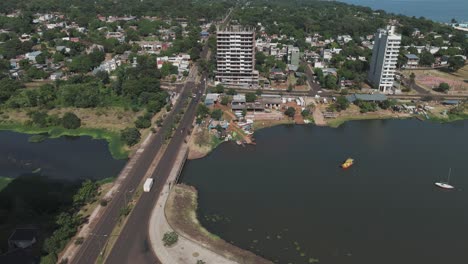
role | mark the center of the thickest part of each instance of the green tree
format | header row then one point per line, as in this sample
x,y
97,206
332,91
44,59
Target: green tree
x,y
103,76
331,82
170,238
80,64
291,111
39,118
231,91
224,100
250,97
387,104
35,73
341,103
58,57
71,121
168,69
217,114
290,88
219,88
305,112
443,87
143,121
41,58
130,136
8,88
426,58
202,110
456,63
85,194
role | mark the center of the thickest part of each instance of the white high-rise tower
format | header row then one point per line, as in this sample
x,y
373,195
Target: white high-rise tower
x,y
236,57
384,59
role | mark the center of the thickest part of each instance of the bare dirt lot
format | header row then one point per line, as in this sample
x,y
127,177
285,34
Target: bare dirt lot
x,y
430,79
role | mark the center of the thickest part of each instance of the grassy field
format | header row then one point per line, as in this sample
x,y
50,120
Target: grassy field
x,y
99,123
4,181
462,73
260,124
201,143
109,118
353,113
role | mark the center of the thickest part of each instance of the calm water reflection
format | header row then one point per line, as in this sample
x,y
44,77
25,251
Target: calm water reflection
x,y
287,199
68,158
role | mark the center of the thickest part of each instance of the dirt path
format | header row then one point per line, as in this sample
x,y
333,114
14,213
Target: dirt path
x,y
318,117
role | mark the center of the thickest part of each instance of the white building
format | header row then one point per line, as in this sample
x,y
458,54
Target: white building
x,y
181,61
236,57
384,59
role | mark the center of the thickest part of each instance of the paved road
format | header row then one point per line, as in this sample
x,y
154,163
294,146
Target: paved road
x,y
91,248
133,245
310,79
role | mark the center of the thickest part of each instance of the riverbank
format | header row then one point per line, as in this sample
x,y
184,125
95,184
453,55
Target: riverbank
x,y
296,233
181,213
116,146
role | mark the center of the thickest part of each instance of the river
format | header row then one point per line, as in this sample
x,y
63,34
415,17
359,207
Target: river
x,y
46,176
65,158
286,198
438,10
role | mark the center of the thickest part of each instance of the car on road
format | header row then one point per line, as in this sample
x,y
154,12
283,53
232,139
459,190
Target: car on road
x,y
148,184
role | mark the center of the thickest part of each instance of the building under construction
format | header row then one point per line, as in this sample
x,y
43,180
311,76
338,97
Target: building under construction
x,y
236,57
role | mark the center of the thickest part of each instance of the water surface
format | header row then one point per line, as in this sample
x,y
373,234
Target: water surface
x,y
438,10
287,199
67,158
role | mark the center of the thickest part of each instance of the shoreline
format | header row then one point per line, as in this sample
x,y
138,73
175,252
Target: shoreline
x,y
197,151
115,145
181,213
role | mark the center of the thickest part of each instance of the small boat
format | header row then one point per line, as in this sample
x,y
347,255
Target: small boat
x,y
348,163
446,185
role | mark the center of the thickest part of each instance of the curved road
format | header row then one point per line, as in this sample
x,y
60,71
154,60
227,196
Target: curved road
x,y
95,243
133,244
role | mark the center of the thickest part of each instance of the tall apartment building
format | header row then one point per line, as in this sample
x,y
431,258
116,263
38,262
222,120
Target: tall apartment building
x,y
236,57
293,55
384,59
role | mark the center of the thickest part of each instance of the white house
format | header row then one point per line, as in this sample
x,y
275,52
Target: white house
x,y
32,55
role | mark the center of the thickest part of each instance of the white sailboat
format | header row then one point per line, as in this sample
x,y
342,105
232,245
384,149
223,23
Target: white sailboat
x,y
446,185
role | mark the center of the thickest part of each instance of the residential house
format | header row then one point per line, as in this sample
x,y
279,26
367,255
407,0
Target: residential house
x,y
108,66
62,49
327,71
211,99
181,61
326,54
56,76
32,55
416,32
277,74
117,35
344,38
412,61
93,47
